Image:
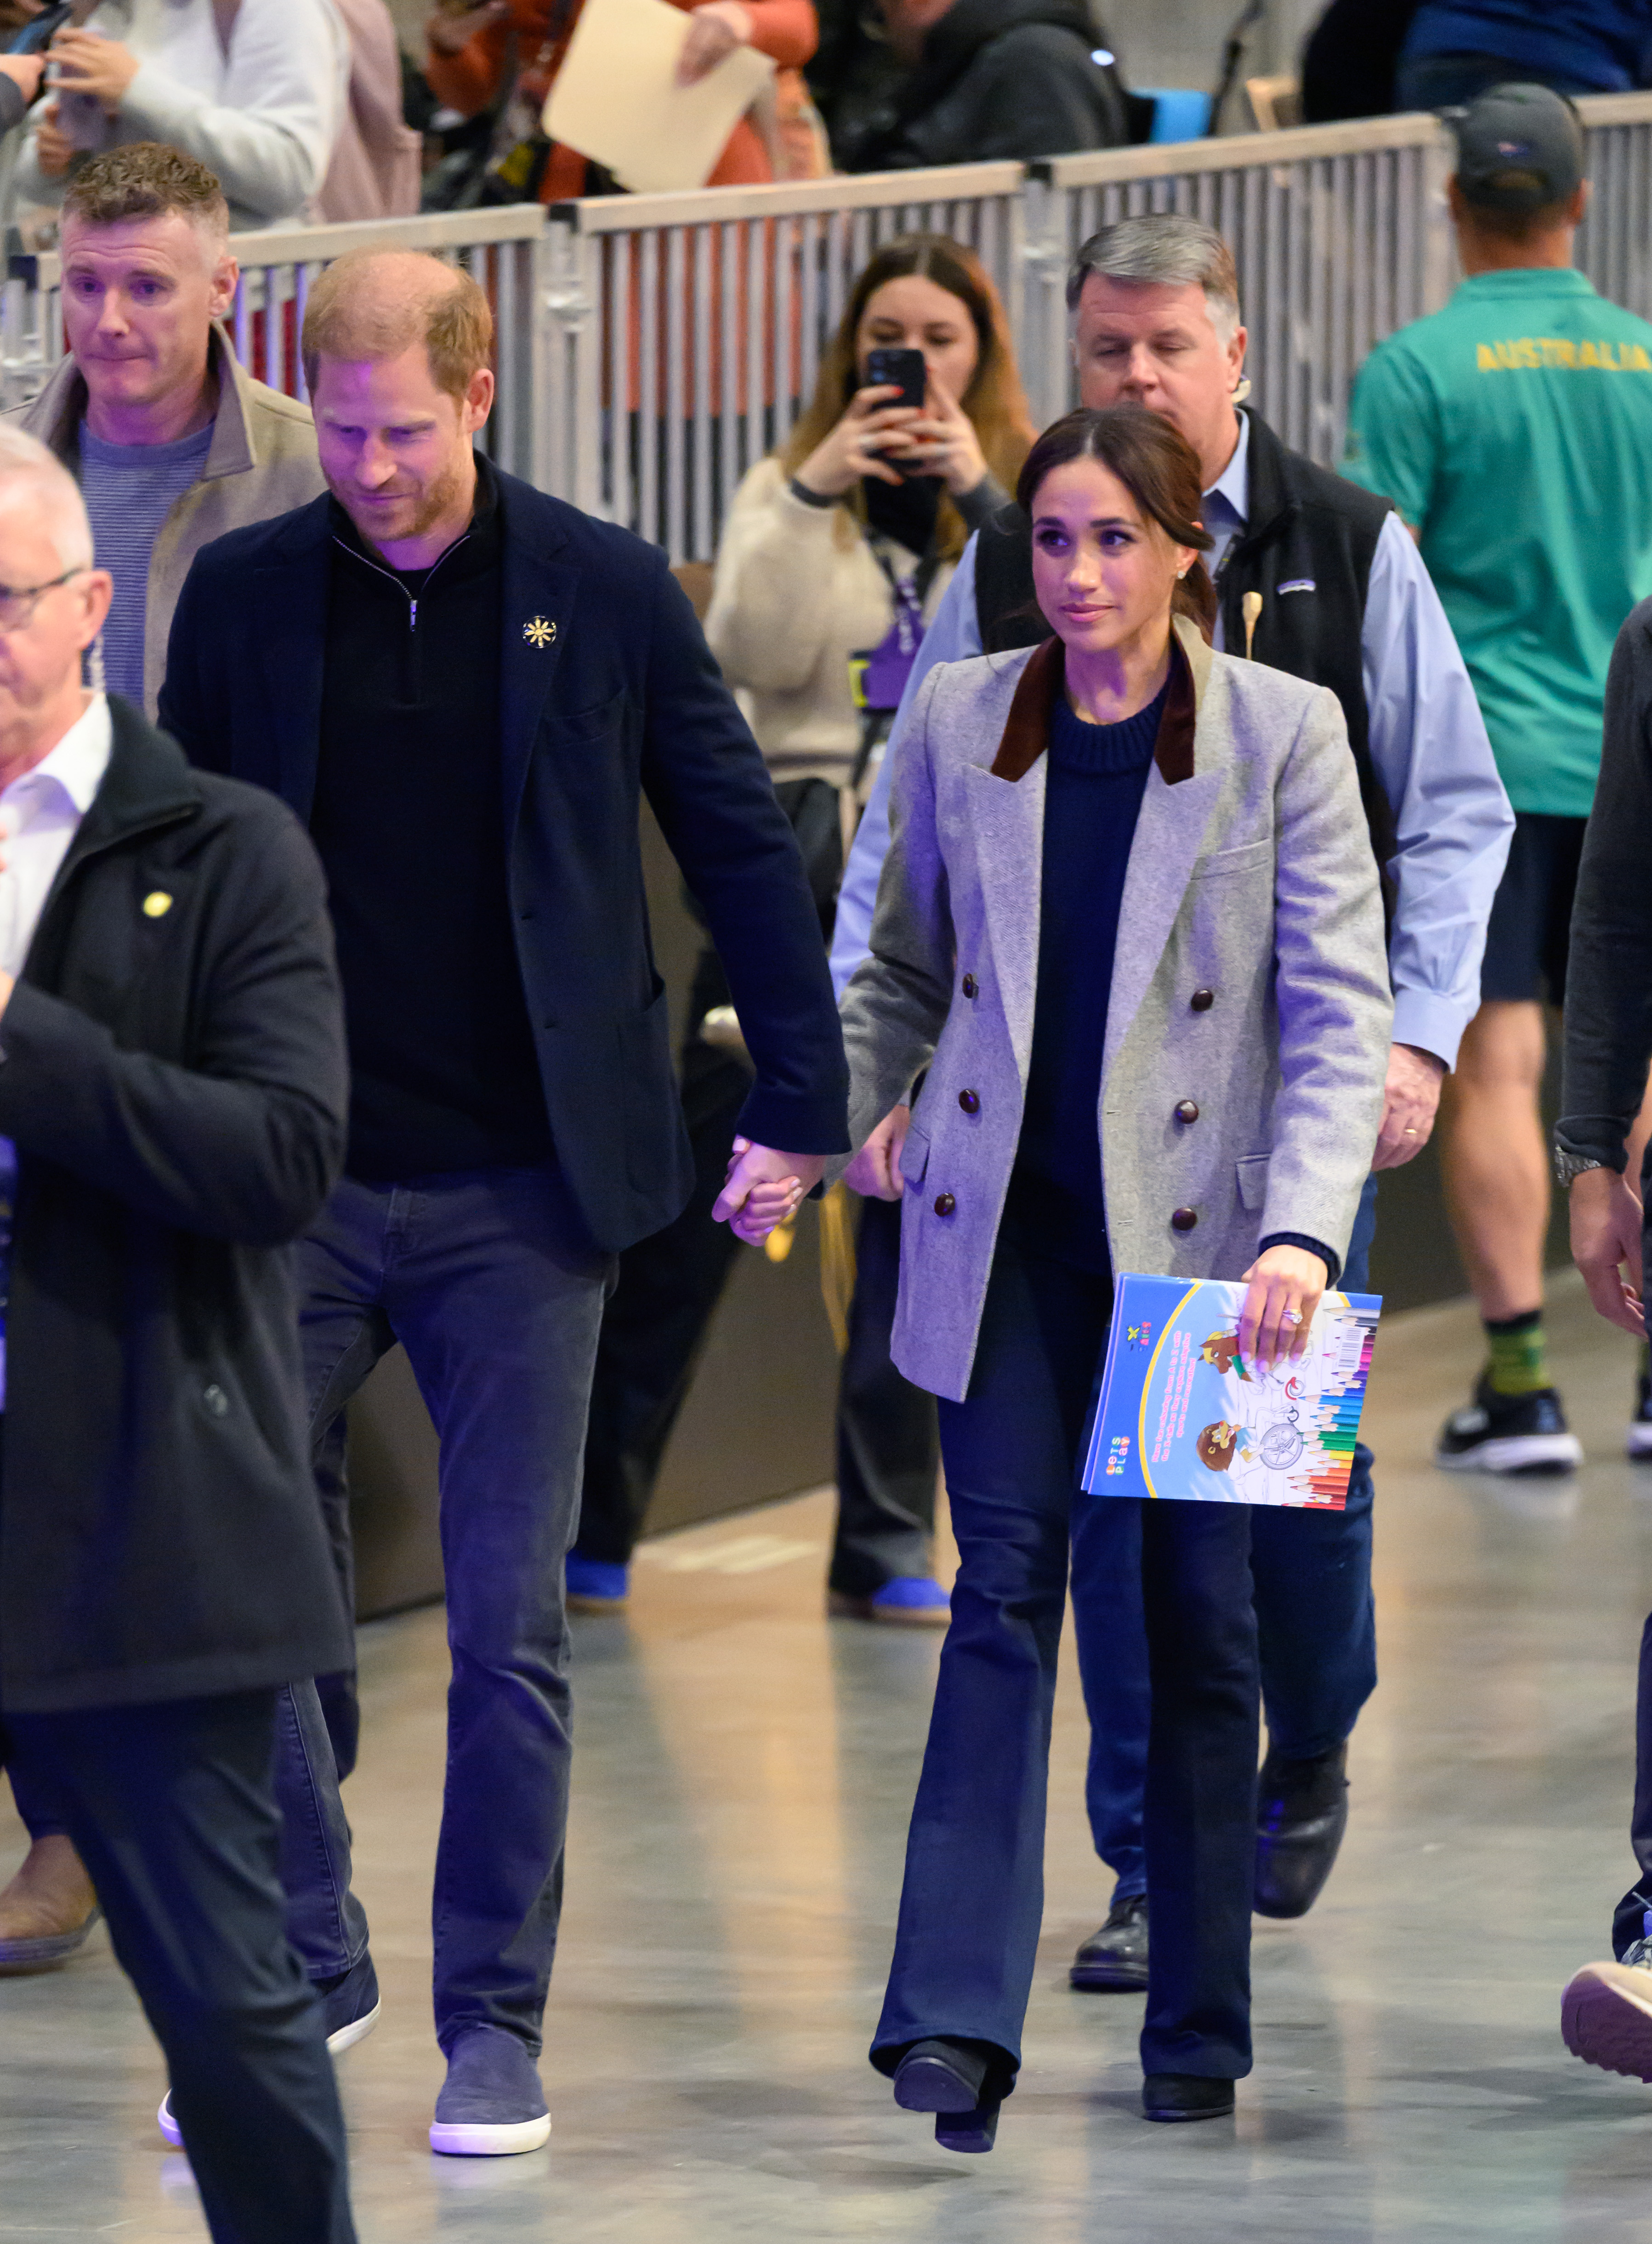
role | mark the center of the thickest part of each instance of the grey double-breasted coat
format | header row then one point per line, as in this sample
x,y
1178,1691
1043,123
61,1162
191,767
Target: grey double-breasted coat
x,y
1249,983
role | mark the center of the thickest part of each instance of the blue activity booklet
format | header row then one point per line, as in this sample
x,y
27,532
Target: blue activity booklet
x,y
1182,1414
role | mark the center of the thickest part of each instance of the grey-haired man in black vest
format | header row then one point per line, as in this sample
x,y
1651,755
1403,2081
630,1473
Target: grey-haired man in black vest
x,y
1319,579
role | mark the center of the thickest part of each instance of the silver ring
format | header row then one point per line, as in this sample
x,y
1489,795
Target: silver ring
x,y
1293,1316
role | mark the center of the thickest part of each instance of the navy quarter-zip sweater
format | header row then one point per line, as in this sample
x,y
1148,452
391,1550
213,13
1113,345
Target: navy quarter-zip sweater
x,y
408,818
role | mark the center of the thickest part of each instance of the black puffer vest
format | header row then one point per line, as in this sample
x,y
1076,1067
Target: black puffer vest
x,y
1306,549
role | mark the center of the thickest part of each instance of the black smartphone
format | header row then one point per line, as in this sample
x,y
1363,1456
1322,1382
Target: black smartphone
x,y
41,30
904,368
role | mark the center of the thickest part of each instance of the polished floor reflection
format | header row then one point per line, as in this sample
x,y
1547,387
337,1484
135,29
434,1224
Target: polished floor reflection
x,y
745,1769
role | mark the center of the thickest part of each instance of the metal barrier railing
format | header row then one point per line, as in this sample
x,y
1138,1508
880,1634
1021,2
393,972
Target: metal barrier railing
x,y
652,348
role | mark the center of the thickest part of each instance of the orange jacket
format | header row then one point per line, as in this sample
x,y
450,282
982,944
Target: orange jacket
x,y
785,30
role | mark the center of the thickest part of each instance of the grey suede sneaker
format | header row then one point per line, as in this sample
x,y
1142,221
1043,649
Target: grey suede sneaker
x,y
1605,2013
491,2104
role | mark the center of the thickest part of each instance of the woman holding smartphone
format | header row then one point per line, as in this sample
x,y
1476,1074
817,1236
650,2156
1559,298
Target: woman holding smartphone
x,y
836,552
1130,927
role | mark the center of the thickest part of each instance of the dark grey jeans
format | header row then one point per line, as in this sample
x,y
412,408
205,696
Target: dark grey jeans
x,y
491,1284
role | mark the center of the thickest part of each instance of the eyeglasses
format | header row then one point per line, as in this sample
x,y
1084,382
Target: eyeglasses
x,y
18,602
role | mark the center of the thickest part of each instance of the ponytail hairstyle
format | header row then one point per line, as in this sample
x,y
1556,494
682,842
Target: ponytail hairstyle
x,y
1158,468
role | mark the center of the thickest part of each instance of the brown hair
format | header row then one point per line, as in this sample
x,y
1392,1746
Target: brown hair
x,y
146,180
376,303
1156,465
994,401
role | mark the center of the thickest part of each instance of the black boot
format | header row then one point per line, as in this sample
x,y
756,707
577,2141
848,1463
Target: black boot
x,y
1113,1960
1302,1812
953,2079
1185,2096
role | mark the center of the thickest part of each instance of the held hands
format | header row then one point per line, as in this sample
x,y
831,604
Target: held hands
x,y
763,1188
713,31
1286,1285
940,441
1606,1246
875,1171
83,62
1409,1102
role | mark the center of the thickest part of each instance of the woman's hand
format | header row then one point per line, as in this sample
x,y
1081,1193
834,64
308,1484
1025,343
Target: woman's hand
x,y
944,443
54,150
713,31
853,449
875,1171
1286,1285
451,34
763,1187
82,63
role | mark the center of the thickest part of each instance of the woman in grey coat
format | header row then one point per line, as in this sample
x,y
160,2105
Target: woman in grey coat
x,y
1130,927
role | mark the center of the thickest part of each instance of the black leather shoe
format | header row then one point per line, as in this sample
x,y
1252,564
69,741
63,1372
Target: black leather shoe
x,y
1185,2096
950,2079
1302,1812
1113,1960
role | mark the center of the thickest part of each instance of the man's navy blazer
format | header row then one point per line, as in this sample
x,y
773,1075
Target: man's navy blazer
x,y
607,692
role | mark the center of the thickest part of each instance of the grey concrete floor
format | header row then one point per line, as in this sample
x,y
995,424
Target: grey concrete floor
x,y
745,1770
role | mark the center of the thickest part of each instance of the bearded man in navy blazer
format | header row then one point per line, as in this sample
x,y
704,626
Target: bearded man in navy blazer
x,y
463,687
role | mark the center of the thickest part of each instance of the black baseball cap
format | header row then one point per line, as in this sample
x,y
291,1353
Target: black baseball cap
x,y
1519,148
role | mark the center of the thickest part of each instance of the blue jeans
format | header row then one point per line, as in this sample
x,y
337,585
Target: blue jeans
x,y
972,1897
490,1283
1315,1627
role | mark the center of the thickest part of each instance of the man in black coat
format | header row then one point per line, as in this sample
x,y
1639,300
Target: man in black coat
x,y
993,79
171,1115
465,687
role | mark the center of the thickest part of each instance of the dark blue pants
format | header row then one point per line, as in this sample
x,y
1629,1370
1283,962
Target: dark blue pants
x,y
170,1807
1316,1629
973,1898
1629,1921
492,1285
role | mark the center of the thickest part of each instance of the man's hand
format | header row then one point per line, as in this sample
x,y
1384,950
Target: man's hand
x,y
1409,1102
1606,1244
25,72
875,1171
1285,1285
82,63
451,32
763,1188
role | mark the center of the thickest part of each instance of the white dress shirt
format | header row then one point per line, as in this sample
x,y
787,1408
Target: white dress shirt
x,y
40,815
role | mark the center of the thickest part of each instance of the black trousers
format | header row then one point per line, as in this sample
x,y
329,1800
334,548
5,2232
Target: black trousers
x,y
171,1808
653,1330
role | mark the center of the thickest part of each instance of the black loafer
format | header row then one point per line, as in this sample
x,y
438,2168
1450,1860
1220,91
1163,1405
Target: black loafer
x,y
1185,2096
1113,1960
1302,1812
950,2079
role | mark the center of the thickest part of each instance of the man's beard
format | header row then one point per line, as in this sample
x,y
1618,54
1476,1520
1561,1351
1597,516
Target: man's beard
x,y
437,499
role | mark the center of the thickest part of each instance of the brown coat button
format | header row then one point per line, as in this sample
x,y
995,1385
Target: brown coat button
x,y
945,1203
1202,1000
1183,1219
1186,1111
972,988
970,1101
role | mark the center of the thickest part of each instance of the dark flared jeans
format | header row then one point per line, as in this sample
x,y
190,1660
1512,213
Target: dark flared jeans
x,y
1316,1630
973,1898
491,1284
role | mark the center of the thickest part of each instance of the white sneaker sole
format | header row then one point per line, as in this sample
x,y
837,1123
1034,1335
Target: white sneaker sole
x,y
1606,2018
347,2037
1637,1443
1514,1453
475,2139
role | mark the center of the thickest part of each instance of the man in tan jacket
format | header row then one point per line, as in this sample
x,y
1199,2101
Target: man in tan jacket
x,y
172,444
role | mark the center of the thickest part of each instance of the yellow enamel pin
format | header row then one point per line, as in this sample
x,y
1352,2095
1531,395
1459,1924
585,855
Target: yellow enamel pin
x,y
156,904
539,631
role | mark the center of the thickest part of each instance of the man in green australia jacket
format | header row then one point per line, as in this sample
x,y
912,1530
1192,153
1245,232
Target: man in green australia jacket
x,y
1513,431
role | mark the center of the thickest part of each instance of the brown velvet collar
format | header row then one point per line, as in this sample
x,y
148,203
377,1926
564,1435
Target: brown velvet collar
x,y
1027,727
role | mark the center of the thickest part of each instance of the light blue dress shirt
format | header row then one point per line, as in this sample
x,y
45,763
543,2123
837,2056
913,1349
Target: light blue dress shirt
x,y
1428,746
